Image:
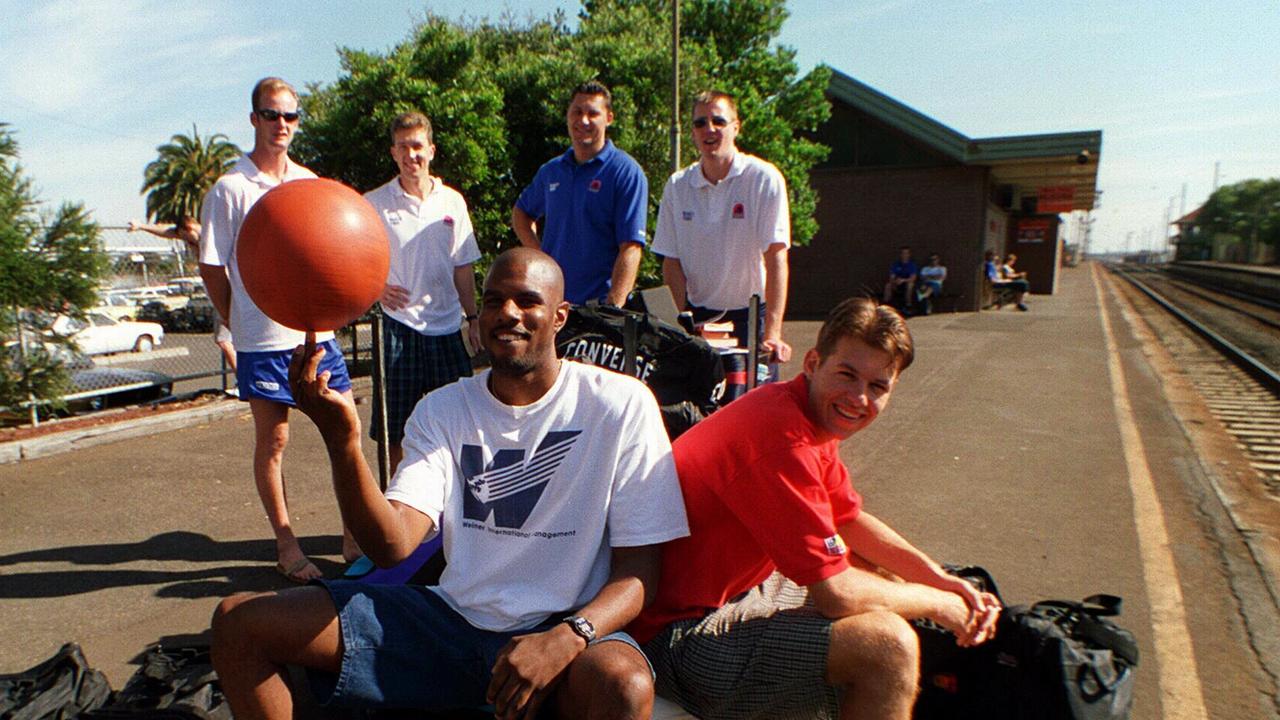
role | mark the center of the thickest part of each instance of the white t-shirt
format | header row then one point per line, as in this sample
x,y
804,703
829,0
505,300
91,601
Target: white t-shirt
x,y
533,497
720,232
225,207
429,238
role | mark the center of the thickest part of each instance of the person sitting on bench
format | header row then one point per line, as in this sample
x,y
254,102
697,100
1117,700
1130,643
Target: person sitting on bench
x,y
930,284
773,607
902,276
553,483
1017,288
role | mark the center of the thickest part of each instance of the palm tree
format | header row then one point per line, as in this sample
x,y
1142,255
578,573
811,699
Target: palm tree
x,y
177,180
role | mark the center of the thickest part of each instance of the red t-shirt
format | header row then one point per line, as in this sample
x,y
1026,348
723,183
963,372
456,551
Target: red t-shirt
x,y
762,492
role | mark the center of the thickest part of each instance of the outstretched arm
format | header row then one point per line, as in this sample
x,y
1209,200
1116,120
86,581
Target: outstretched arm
x,y
528,665
387,531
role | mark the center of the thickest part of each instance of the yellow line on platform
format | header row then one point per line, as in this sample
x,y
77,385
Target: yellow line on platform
x,y
1180,692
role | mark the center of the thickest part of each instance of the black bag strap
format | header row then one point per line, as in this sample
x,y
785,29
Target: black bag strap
x,y
1090,627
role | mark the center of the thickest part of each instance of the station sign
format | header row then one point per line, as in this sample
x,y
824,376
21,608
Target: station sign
x,y
1056,199
1032,230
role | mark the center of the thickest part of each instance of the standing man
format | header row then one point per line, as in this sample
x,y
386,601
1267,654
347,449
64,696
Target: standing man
x,y
431,287
724,228
553,484
775,521
591,203
263,346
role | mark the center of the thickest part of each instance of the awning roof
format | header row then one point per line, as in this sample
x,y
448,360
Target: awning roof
x,y
1061,165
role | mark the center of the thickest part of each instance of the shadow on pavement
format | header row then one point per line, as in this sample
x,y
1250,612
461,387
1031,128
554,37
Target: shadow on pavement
x,y
177,546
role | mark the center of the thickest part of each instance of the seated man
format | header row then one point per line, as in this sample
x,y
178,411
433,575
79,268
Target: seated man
x,y
931,278
553,483
773,606
1017,287
902,274
1007,270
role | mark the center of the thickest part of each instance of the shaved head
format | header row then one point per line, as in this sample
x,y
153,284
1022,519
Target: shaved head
x,y
538,268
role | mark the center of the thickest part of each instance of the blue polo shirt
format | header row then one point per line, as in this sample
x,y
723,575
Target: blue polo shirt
x,y
586,212
904,270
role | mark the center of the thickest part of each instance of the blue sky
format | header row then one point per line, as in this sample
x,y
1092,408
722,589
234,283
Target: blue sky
x,y
93,86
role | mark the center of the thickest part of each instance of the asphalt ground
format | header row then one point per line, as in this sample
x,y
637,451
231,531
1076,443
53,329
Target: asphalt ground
x,y
1006,444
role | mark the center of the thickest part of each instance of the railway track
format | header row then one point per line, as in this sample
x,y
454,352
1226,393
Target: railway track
x,y
1243,393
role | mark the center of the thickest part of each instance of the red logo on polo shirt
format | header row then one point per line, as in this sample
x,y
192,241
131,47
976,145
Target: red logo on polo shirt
x,y
595,185
448,220
739,210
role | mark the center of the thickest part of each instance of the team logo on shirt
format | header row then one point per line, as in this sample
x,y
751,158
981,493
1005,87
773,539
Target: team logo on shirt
x,y
551,187
392,217
510,487
448,221
687,214
739,211
835,545
595,185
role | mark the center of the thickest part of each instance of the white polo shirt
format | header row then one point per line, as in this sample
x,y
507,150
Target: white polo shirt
x,y
429,238
224,211
720,232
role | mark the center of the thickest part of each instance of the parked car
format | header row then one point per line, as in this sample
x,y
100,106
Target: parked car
x,y
95,388
156,293
98,334
116,306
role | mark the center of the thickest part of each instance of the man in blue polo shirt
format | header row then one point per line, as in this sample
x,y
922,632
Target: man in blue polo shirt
x,y
591,203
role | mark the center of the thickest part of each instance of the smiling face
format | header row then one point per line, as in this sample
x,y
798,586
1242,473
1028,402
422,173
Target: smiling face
x,y
413,153
715,129
849,387
522,308
276,133
588,118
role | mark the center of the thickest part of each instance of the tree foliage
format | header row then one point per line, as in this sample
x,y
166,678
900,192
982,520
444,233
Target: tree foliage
x,y
496,92
1249,210
50,262
183,171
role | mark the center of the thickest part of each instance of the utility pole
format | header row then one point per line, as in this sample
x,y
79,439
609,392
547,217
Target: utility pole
x,y
675,85
1182,207
1216,163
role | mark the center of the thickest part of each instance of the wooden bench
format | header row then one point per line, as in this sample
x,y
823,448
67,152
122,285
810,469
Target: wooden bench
x,y
994,296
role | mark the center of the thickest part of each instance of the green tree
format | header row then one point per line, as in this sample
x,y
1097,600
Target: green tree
x,y
495,91
1248,210
183,171
50,263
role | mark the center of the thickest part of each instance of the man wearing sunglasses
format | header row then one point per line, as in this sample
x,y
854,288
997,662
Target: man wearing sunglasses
x,y
263,346
587,207
724,228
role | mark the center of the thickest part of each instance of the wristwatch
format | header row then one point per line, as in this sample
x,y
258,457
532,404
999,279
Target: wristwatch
x,y
581,627
469,318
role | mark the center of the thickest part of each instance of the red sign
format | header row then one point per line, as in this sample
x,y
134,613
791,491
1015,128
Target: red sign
x,y
1056,199
1033,230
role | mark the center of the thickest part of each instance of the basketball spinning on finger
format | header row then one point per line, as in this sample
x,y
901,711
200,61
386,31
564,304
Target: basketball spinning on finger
x,y
313,254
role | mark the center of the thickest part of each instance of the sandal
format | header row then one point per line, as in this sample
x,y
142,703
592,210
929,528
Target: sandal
x,y
293,573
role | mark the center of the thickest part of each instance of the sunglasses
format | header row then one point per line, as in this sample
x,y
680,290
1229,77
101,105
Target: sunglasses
x,y
716,120
272,115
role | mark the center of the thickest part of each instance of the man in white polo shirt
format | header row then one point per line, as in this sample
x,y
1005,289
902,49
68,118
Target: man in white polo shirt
x,y
263,346
724,228
431,287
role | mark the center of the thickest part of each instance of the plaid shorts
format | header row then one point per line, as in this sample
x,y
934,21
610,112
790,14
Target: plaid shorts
x,y
762,655
416,364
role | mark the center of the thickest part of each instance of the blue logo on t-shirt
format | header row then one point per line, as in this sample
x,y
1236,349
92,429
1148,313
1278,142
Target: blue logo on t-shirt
x,y
510,487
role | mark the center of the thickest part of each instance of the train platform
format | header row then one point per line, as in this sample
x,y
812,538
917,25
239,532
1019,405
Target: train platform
x,y
1055,447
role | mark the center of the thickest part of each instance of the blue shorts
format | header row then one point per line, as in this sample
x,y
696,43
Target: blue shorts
x,y
404,647
265,375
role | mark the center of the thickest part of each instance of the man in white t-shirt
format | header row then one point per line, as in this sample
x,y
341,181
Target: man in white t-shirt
x,y
431,286
553,483
724,227
263,346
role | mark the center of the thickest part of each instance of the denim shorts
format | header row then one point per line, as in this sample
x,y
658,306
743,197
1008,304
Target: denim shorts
x,y
265,375
404,647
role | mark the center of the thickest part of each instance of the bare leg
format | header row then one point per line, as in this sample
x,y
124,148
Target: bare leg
x,y
875,658
271,435
256,635
610,681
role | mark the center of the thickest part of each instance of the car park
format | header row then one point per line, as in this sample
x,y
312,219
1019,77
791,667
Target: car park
x,y
116,306
98,334
96,388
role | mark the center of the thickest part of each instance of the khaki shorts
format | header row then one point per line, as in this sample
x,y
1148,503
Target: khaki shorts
x,y
762,655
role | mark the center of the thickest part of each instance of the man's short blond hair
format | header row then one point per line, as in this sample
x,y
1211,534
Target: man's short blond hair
x,y
270,86
411,121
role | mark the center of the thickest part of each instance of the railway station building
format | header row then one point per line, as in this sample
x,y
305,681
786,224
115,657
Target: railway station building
x,y
896,177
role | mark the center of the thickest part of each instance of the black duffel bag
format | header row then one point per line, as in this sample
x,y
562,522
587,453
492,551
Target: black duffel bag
x,y
1053,660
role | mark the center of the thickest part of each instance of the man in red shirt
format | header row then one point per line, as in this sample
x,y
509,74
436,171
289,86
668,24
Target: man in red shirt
x,y
773,606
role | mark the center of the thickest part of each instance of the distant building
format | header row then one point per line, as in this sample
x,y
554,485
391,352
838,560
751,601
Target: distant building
x,y
1190,242
898,177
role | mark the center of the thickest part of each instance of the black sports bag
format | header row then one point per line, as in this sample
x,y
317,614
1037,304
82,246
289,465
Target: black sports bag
x,y
1053,660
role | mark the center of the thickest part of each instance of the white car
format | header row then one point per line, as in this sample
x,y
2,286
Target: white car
x,y
116,306
98,334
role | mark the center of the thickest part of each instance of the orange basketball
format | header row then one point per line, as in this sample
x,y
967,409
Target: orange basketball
x,y
313,254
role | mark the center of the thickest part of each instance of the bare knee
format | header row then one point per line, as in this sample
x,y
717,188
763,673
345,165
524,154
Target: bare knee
x,y
877,649
608,682
230,628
